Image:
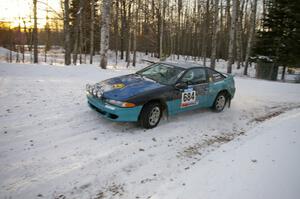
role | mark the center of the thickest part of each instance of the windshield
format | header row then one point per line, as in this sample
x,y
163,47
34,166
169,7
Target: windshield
x,y
162,73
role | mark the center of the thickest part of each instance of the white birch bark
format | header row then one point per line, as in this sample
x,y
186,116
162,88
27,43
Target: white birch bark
x,y
104,43
161,7
251,35
92,30
231,37
214,35
239,35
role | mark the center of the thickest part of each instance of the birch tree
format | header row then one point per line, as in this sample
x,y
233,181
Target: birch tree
x,y
179,11
35,33
67,41
76,34
92,30
81,30
116,30
231,37
251,35
136,21
205,33
104,43
198,28
214,35
239,33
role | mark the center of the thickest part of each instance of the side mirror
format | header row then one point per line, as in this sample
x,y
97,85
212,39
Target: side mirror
x,y
181,85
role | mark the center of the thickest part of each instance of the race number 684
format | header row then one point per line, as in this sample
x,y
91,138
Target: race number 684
x,y
189,96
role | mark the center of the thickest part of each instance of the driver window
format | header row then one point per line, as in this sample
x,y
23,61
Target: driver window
x,y
195,76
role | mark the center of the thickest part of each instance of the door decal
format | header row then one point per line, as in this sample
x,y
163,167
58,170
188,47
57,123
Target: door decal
x,y
188,98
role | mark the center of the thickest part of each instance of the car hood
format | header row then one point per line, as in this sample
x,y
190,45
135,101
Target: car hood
x,y
123,87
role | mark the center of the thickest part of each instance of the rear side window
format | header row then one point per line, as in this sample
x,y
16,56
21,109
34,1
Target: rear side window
x,y
194,76
215,76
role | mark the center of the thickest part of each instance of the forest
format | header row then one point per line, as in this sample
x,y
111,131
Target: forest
x,y
237,31
110,99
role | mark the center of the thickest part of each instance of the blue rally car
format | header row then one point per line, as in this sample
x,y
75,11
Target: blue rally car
x,y
161,87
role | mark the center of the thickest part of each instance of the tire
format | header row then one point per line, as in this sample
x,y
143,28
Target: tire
x,y
220,102
150,115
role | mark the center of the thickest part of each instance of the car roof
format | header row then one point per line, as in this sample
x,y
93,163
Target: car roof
x,y
184,65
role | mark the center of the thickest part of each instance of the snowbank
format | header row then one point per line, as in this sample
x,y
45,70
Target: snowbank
x,y
5,52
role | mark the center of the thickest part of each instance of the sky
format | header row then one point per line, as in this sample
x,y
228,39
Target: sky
x,y
12,10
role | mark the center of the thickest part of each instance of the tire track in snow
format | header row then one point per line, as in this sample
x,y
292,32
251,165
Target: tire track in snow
x,y
78,154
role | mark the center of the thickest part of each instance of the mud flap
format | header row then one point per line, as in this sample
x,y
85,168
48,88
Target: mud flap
x,y
229,102
165,115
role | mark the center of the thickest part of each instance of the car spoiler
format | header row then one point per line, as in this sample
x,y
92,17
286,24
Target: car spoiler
x,y
228,75
149,61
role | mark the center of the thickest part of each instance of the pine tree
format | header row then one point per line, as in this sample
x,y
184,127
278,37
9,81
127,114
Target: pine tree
x,y
280,37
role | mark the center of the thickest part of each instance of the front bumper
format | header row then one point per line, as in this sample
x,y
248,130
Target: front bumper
x,y
112,112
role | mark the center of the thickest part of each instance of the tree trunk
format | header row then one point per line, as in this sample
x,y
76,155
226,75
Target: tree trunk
x,y
76,35
11,46
47,30
214,35
251,35
239,35
128,28
26,40
205,33
283,73
116,29
161,31
228,22
221,42
81,31
128,57
123,27
92,31
135,32
104,44
67,34
179,28
231,37
35,33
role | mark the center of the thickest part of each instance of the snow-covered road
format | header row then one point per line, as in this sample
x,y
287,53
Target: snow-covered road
x,y
53,145
263,165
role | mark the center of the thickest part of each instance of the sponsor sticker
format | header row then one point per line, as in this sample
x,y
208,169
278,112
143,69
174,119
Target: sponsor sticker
x,y
118,86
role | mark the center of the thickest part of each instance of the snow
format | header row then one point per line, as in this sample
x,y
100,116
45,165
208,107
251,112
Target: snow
x,y
53,145
55,56
5,52
264,165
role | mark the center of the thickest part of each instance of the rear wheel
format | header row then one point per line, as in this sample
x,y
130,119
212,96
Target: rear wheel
x,y
220,102
150,115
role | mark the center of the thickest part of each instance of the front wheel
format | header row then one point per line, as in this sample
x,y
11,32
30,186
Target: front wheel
x,y
220,102
150,115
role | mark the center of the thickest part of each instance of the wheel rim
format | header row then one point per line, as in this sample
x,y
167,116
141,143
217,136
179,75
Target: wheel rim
x,y
154,116
220,103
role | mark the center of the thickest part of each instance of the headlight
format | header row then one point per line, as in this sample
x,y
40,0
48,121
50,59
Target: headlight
x,y
87,87
121,104
95,92
99,94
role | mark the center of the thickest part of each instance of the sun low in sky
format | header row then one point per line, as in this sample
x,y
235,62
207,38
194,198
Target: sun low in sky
x,y
17,11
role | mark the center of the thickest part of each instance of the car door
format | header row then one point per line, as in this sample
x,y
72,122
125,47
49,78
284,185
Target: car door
x,y
216,84
195,95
